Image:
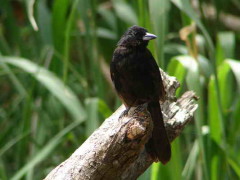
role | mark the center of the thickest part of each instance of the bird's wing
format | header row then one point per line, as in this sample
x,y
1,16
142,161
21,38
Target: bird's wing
x,y
157,78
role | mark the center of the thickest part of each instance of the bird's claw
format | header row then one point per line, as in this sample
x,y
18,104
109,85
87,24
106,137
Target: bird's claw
x,y
124,113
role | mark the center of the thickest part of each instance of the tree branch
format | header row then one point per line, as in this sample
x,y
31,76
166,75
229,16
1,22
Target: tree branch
x,y
116,150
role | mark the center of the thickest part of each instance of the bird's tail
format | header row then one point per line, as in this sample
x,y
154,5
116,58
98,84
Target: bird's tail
x,y
158,145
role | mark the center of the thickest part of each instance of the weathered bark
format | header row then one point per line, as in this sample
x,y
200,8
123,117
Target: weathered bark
x,y
116,150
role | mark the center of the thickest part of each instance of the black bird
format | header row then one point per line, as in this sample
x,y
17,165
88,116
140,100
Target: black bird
x,y
137,80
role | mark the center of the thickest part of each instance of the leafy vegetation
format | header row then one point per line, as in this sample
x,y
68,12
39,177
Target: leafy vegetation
x,y
55,87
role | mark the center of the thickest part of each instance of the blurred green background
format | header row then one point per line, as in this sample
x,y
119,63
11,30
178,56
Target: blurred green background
x,y
55,88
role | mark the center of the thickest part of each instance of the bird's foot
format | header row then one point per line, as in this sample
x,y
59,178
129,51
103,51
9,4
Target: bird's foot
x,y
124,113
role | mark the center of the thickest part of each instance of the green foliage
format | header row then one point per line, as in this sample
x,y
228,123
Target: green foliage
x,y
55,89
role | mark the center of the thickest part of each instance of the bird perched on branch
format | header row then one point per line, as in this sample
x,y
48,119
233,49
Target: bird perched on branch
x,y
137,80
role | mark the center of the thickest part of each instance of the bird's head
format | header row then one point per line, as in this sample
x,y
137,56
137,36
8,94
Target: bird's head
x,y
136,36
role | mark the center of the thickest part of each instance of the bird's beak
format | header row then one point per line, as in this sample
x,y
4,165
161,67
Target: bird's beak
x,y
149,36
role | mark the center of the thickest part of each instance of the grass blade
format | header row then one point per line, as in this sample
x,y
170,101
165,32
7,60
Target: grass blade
x,y
93,118
235,66
193,83
191,161
225,46
68,31
235,166
59,14
52,83
186,7
125,12
213,117
30,11
159,20
177,70
42,154
13,78
11,143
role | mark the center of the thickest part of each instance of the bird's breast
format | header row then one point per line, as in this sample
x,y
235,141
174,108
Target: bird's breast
x,y
132,63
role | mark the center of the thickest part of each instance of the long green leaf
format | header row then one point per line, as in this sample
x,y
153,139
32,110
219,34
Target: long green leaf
x,y
186,7
226,92
11,143
68,31
213,117
177,70
235,65
159,19
125,12
44,23
52,83
30,11
14,78
59,14
42,154
193,83
235,166
92,110
191,161
235,127
225,46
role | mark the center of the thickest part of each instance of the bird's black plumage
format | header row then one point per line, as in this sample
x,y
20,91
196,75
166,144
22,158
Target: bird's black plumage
x,y
137,80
